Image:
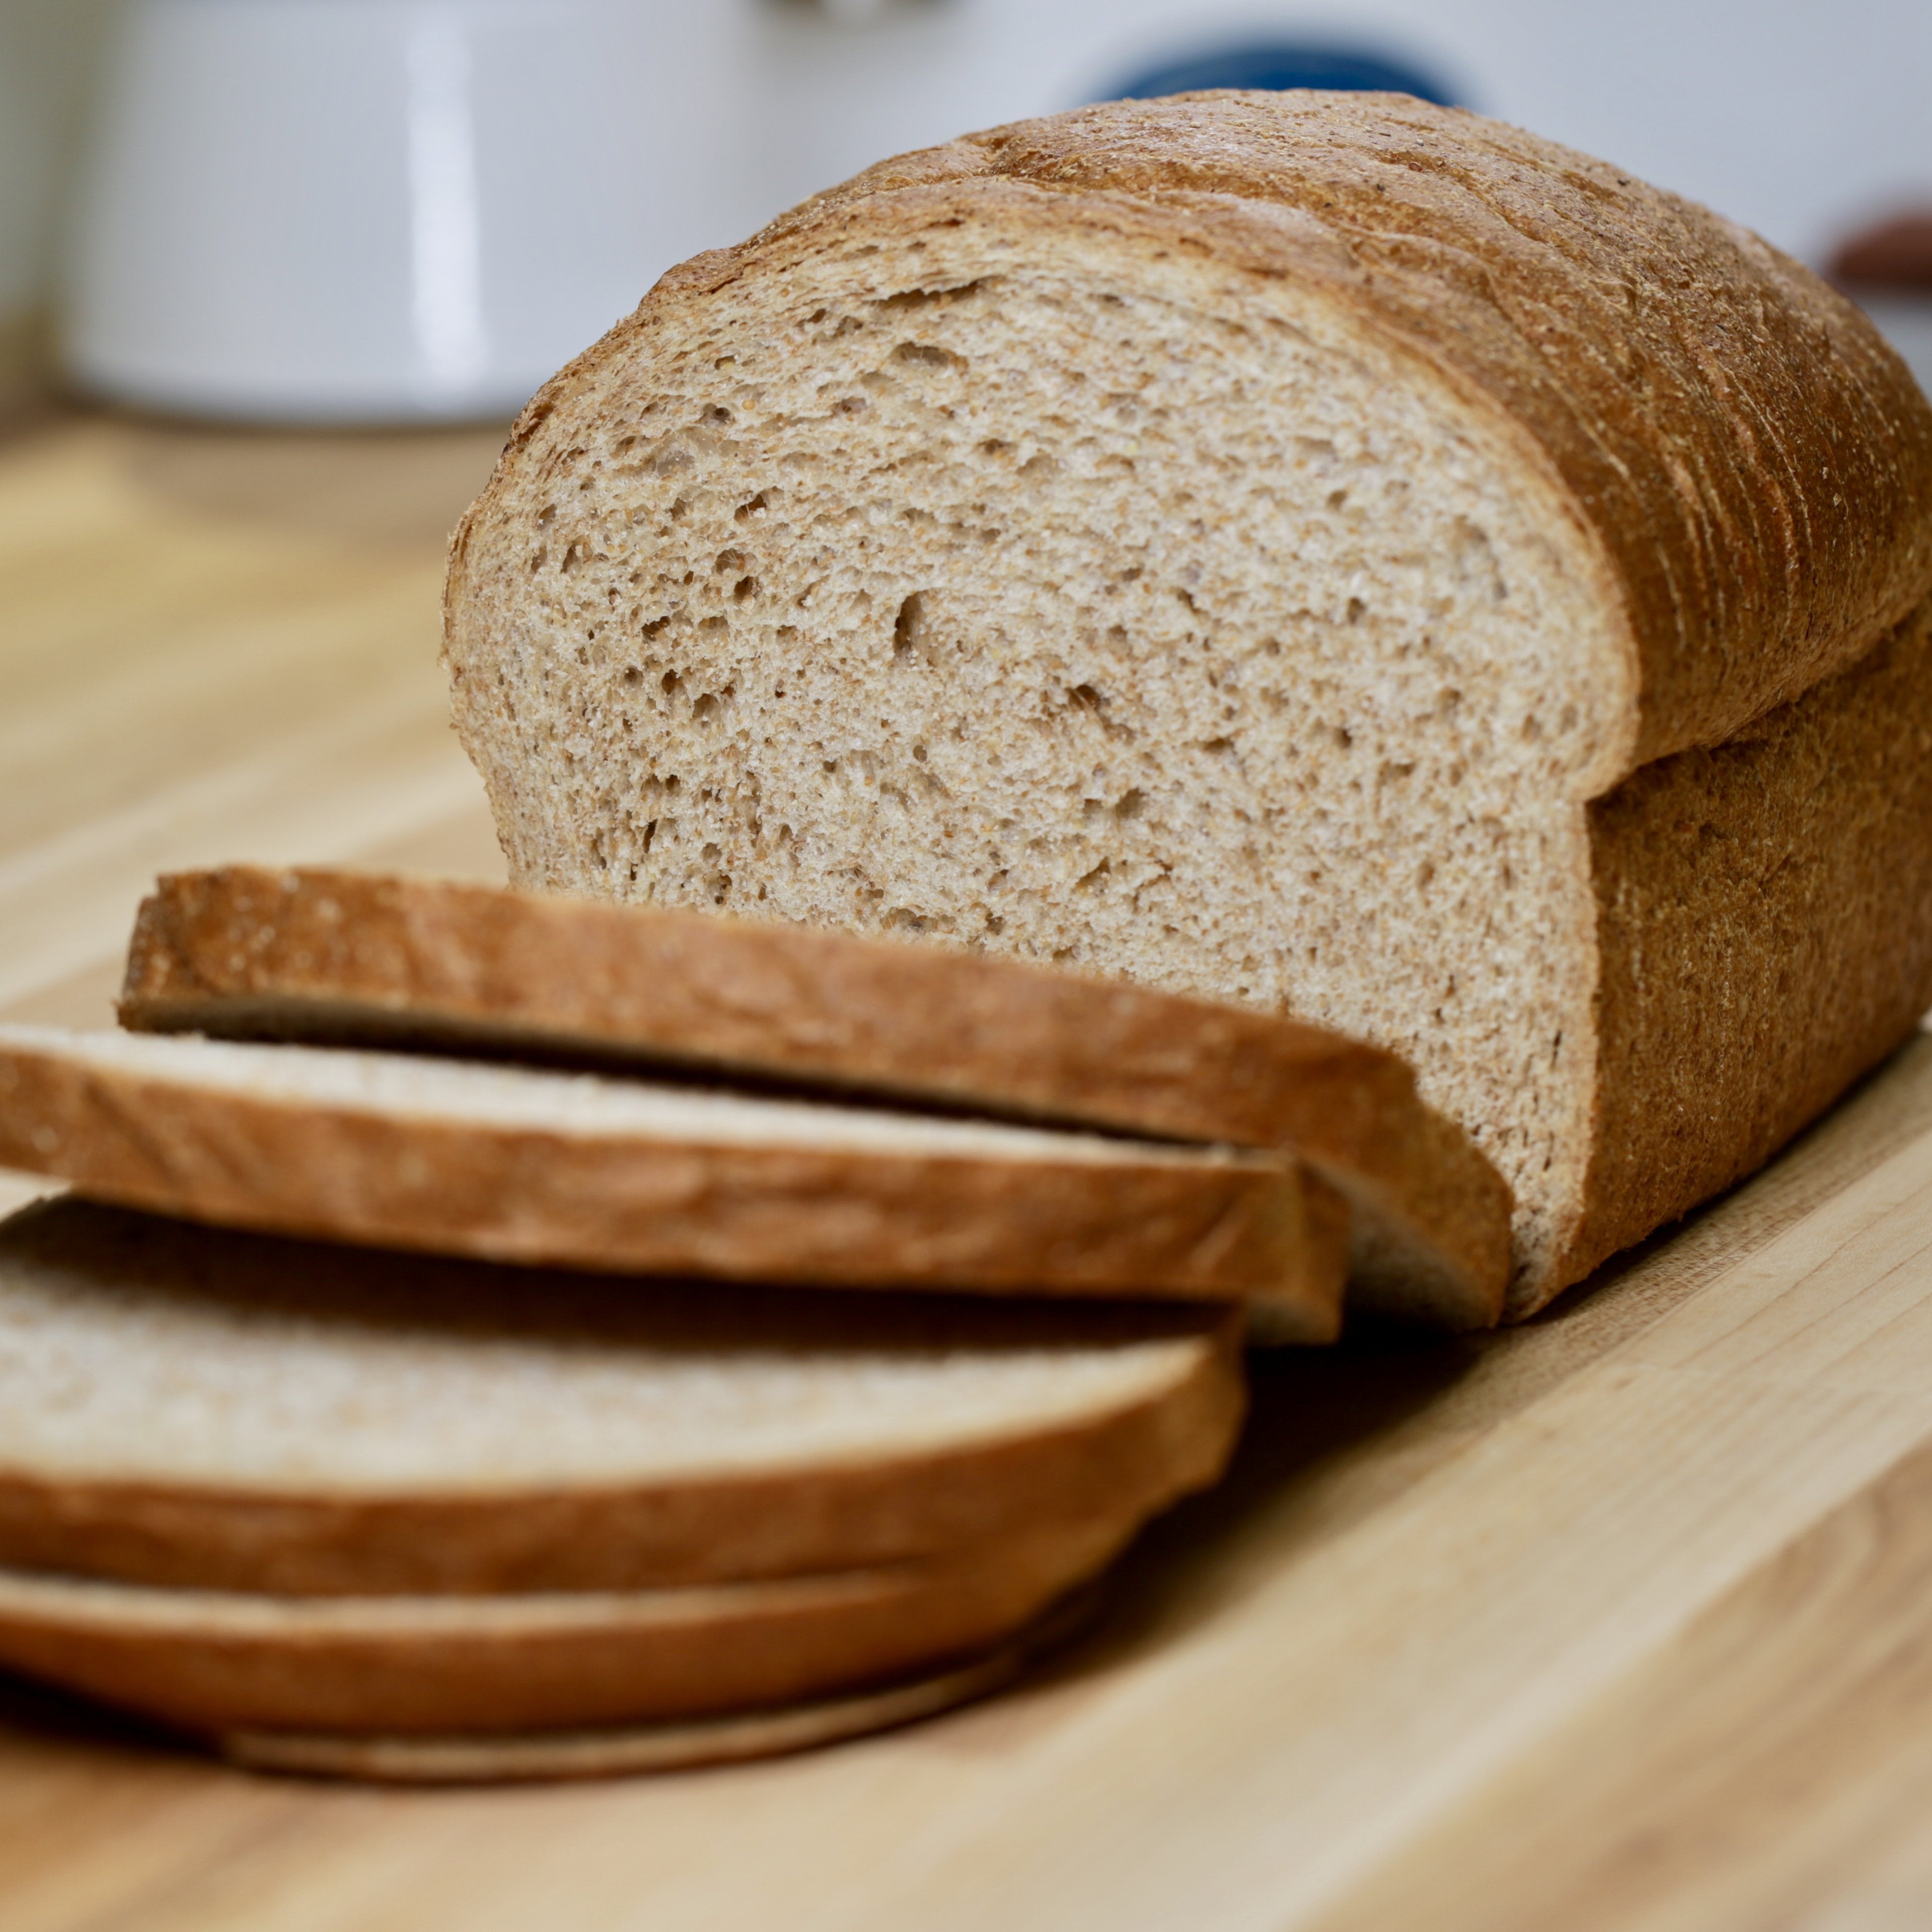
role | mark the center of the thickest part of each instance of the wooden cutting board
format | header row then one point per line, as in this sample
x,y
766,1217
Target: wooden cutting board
x,y
1623,1619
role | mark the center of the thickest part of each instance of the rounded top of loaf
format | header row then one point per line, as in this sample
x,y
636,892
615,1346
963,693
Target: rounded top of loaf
x,y
1752,460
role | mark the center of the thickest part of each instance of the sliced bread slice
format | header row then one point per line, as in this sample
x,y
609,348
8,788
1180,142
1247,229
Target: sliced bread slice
x,y
516,1165
677,1745
192,1406
327,954
211,1661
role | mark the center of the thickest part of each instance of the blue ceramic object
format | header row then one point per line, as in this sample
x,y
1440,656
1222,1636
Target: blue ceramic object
x,y
1280,64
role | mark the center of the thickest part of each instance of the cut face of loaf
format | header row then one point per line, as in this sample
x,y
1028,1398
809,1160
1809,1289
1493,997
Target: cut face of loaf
x,y
1225,544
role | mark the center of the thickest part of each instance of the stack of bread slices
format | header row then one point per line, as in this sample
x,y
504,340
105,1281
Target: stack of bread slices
x,y
495,1335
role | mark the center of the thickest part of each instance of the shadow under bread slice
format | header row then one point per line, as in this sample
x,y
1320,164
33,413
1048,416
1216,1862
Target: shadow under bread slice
x,y
208,1661
515,1164
325,954
192,1406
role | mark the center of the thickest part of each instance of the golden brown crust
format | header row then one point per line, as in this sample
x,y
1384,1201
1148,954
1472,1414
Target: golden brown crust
x,y
1753,459
1226,1228
245,951
1765,919
805,1514
210,1662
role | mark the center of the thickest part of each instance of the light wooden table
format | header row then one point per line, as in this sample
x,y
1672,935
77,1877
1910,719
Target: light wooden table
x,y
1623,1619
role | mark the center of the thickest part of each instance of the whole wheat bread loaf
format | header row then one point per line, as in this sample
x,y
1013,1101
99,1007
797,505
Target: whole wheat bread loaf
x,y
214,1660
515,1164
1331,553
195,1407
325,954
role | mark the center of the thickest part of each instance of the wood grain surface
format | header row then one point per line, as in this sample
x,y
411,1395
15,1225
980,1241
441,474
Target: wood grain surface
x,y
1623,1619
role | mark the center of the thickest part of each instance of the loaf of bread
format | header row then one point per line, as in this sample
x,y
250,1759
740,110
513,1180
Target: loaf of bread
x,y
325,954
1329,553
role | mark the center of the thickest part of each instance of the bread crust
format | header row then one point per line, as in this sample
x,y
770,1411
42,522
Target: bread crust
x,y
312,953
1752,460
1217,1226
1765,924
211,1661
1131,1455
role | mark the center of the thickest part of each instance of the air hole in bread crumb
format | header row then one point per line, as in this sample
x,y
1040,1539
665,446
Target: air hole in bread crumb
x,y
928,355
670,684
745,587
717,413
1130,804
993,446
756,507
633,676
909,625
729,560
1357,610
706,709
913,300
852,406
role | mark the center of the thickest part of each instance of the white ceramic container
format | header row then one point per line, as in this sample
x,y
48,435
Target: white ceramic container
x,y
344,211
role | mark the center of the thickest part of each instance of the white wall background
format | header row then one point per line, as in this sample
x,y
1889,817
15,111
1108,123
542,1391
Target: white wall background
x,y
1798,117
1794,116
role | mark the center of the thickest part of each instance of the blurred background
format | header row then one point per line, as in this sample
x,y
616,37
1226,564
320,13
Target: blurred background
x,y
413,210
